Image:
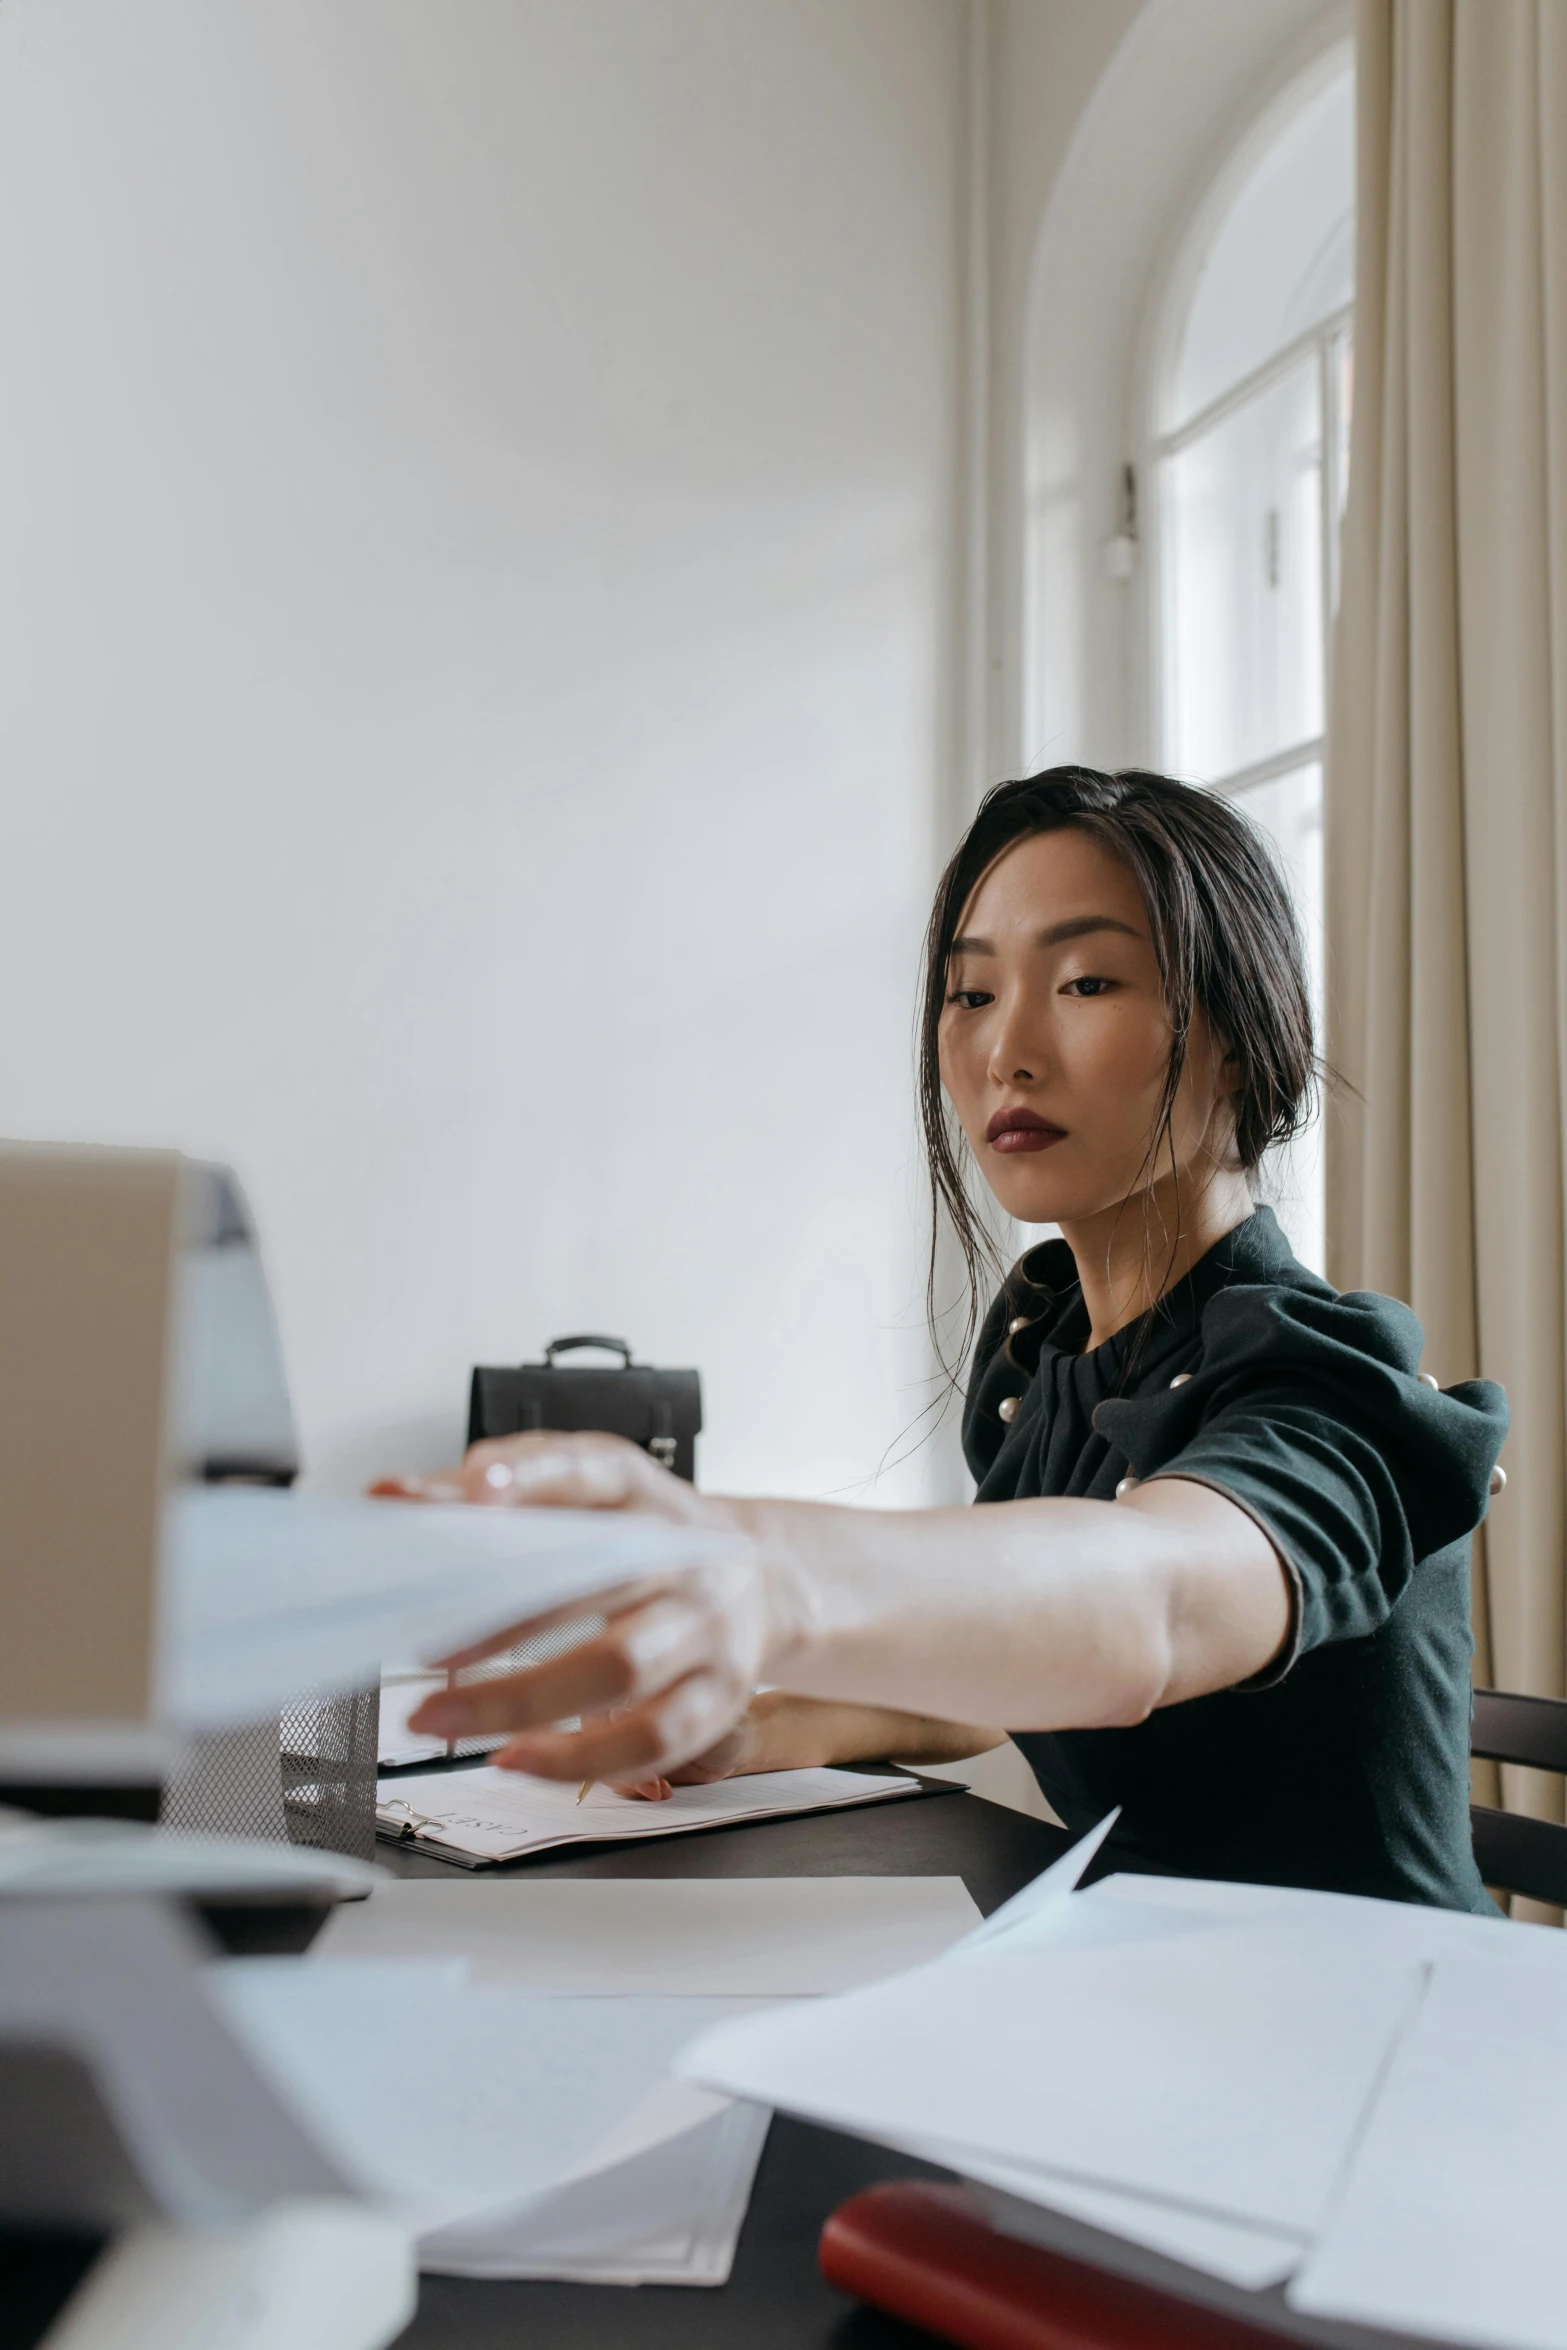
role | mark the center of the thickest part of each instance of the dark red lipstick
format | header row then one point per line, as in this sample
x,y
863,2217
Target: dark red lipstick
x,y
1022,1130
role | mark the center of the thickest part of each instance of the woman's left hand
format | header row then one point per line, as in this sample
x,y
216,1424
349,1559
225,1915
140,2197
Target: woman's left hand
x,y
782,1732
672,1671
736,1754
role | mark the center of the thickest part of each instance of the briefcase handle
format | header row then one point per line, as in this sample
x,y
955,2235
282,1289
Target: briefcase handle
x,y
564,1346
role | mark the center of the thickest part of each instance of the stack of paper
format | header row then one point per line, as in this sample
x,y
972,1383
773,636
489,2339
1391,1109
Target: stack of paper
x,y
516,2135
479,1816
524,2134
1355,2101
668,2212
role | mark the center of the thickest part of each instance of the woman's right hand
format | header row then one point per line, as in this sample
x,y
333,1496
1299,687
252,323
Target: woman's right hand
x,y
671,1673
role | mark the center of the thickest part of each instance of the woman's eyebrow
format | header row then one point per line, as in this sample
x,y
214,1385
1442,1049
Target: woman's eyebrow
x,y
1083,926
1078,926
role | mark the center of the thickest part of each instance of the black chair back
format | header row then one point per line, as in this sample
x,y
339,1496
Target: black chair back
x,y
1520,1855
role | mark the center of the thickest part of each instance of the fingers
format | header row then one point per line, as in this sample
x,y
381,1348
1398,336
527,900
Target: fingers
x,y
640,1651
551,1470
672,1670
650,1790
646,1741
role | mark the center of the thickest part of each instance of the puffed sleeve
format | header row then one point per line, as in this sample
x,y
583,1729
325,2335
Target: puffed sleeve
x,y
1306,1409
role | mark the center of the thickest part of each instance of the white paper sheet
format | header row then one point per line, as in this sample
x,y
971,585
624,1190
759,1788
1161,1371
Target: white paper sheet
x,y
456,2102
1050,1911
268,1595
1243,2253
488,1814
1132,1908
1453,2219
1032,1914
1352,1921
745,1936
1225,2070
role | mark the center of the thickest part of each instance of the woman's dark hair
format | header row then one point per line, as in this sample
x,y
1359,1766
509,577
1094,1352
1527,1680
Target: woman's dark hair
x,y
1226,938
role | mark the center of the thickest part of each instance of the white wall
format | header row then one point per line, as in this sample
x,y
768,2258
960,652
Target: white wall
x,y
475,581
1048,59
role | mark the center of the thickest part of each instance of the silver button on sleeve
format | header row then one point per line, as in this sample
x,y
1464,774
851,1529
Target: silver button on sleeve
x,y
1180,1379
1127,1485
1017,1323
1006,1409
1498,1478
1426,1380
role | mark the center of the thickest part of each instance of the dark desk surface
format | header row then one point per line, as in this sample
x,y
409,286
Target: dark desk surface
x,y
775,2299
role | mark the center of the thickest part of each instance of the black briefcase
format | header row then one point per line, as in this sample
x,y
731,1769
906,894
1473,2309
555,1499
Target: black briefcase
x,y
660,1410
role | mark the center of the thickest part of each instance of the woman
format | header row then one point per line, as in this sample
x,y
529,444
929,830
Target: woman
x,y
1220,1576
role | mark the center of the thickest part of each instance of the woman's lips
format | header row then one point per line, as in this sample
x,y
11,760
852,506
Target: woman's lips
x,y
1012,1131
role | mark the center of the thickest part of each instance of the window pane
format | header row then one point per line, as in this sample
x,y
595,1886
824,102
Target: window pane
x,y
1289,811
1243,583
1283,257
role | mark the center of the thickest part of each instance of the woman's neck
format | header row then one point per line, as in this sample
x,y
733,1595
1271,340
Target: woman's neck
x,y
1129,1255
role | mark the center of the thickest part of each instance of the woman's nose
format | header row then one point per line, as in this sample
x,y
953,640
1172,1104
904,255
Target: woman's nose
x,y
1015,1055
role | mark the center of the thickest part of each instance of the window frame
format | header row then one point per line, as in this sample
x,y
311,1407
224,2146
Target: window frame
x,y
1156,443
1323,343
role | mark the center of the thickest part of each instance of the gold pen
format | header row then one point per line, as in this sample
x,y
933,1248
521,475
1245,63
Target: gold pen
x,y
582,1790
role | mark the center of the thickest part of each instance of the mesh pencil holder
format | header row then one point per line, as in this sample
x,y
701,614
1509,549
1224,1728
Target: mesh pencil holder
x,y
305,1777
328,1756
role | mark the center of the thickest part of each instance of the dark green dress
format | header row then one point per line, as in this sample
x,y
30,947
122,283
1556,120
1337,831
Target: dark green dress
x,y
1345,1765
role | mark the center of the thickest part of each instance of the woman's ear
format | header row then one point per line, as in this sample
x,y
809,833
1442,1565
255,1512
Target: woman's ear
x,y
1227,1078
1225,1063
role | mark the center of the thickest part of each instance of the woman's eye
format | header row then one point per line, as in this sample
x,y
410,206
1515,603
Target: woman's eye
x,y
970,998
1087,986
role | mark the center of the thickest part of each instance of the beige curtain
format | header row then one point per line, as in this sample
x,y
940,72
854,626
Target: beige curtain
x,y
1447,770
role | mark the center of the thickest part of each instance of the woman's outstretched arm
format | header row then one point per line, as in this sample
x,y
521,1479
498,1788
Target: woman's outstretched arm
x,y
1047,1614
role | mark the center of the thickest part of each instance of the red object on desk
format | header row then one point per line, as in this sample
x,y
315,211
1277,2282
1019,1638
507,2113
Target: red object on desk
x,y
923,2253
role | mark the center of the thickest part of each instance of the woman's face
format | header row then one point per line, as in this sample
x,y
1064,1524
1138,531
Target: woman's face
x,y
1054,1038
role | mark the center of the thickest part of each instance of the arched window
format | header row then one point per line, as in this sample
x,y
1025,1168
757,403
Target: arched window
x,y
1248,458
